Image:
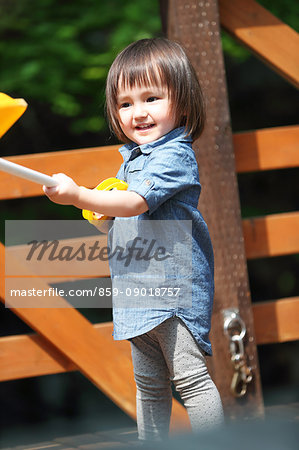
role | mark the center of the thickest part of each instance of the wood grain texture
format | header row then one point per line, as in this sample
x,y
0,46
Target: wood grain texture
x,y
60,269
273,235
24,356
264,34
88,167
267,149
277,321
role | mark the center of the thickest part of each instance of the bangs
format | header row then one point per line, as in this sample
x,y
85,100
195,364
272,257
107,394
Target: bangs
x,y
143,74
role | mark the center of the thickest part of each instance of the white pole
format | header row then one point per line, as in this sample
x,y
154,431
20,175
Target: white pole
x,y
28,174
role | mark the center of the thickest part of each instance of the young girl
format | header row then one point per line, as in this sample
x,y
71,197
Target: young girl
x,y
155,106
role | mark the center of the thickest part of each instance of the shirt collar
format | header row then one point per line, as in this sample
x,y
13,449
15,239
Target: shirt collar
x,y
131,150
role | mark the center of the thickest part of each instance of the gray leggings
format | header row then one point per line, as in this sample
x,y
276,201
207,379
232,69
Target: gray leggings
x,y
170,353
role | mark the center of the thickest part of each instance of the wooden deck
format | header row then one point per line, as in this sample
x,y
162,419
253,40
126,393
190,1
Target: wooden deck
x,y
122,439
280,424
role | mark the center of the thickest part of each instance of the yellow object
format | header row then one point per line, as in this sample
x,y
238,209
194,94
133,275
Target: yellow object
x,y
106,185
11,110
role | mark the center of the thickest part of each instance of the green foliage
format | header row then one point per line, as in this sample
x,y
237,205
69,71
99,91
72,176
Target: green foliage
x,y
286,10
58,52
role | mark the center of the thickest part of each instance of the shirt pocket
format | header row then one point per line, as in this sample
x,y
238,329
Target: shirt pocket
x,y
136,165
134,169
138,178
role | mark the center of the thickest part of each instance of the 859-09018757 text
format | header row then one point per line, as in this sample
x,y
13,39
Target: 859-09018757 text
x,y
141,292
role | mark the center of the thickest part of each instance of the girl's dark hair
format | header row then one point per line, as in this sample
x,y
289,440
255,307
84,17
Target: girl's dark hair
x,y
157,62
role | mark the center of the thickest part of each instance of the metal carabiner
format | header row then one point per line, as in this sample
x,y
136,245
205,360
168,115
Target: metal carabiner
x,y
238,385
235,329
238,343
233,320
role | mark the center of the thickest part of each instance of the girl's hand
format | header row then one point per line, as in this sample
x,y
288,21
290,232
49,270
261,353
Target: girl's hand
x,y
65,193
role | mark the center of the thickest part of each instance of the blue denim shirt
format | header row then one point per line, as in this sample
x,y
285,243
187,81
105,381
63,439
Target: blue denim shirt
x,y
165,173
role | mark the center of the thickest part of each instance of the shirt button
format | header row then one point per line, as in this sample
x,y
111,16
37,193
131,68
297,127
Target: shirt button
x,y
147,182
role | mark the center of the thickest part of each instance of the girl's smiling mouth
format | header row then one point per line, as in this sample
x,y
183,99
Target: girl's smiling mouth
x,y
145,126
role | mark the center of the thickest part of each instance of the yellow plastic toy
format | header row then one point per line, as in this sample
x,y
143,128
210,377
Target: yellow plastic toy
x,y
11,110
106,185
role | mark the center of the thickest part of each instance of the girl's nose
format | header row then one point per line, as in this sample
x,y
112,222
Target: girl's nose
x,y
140,112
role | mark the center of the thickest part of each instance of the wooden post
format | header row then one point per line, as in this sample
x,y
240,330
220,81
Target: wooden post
x,y
195,24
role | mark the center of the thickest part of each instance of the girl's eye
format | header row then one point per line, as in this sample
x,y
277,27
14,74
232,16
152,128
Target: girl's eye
x,y
125,105
152,99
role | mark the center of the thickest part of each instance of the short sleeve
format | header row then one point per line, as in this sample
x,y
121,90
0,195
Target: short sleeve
x,y
166,172
120,173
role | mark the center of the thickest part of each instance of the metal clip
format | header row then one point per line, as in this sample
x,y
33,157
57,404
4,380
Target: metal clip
x,y
238,387
232,320
235,329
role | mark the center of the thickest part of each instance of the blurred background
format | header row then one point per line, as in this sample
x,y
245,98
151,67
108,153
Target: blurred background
x,y
56,54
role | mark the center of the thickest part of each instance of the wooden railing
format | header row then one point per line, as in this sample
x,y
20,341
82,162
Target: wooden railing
x,y
266,236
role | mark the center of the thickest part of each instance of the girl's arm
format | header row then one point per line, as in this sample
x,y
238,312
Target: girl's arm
x,y
110,203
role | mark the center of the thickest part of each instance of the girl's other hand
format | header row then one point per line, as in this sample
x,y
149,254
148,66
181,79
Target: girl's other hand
x,y
65,193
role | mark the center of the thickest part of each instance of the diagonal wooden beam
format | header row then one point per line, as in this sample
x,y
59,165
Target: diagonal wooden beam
x,y
270,39
32,355
74,336
73,339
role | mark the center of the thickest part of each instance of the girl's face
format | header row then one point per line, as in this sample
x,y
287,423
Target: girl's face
x,y
145,113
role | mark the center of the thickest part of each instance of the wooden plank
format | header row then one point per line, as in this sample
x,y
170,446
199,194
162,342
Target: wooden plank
x,y
273,235
31,355
60,269
277,321
195,25
267,236
270,39
72,341
267,149
87,166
